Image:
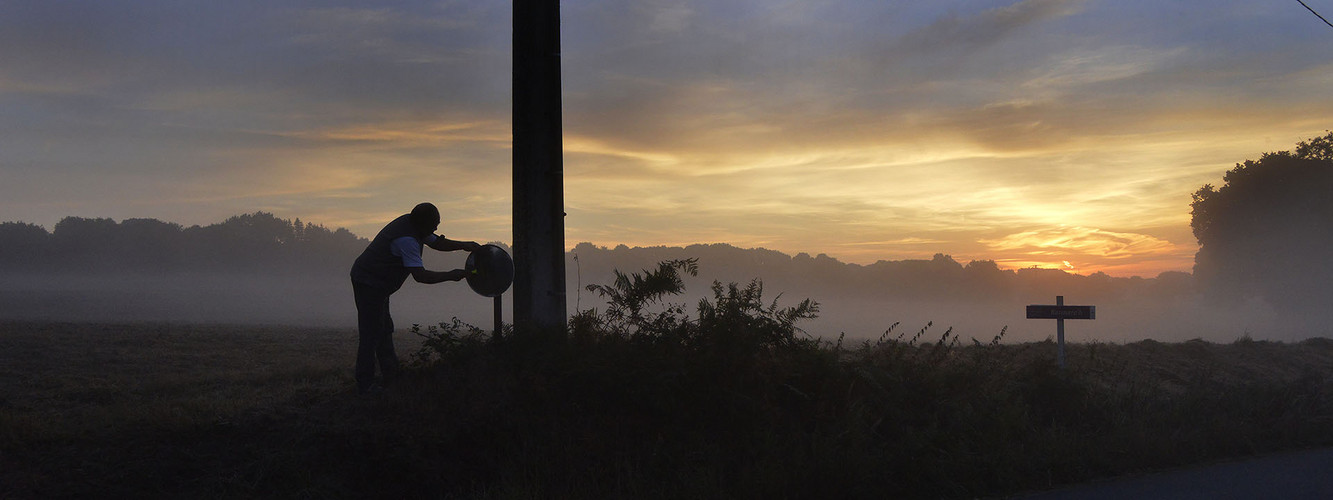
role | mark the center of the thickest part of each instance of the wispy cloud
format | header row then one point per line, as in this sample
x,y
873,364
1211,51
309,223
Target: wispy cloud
x,y
862,128
954,31
1080,243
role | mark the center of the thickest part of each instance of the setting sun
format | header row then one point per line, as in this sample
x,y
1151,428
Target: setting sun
x,y
1028,132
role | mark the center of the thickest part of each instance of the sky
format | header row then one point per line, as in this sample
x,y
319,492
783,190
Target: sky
x,y
1052,133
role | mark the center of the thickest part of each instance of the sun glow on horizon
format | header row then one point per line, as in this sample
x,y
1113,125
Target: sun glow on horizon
x,y
1058,134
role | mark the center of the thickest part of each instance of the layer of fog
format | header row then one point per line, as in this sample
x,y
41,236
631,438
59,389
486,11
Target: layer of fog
x,y
326,301
323,300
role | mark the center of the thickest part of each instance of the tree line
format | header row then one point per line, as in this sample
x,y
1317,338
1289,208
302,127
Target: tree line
x,y
265,244
249,243
940,278
1264,233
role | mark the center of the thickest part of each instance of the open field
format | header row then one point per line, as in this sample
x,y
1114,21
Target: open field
x,y
159,410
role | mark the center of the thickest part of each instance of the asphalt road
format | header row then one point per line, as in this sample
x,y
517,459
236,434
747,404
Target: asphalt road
x,y
1288,476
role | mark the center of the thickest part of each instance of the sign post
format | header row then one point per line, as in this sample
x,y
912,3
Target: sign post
x,y
1061,312
499,319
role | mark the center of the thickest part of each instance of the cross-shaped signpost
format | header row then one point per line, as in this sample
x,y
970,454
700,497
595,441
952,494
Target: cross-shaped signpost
x,y
1061,312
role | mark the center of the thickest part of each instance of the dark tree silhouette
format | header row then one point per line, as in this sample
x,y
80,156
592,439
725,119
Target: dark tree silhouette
x,y
1267,231
23,246
257,242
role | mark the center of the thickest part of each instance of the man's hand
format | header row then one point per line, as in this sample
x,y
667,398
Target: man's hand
x,y
471,246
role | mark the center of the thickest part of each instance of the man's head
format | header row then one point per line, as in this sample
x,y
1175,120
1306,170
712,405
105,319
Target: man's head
x,y
425,218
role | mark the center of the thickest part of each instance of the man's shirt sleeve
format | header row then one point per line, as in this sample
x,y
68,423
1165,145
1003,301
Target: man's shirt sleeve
x,y
408,249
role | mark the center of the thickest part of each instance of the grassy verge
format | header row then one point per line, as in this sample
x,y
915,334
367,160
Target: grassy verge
x,y
216,412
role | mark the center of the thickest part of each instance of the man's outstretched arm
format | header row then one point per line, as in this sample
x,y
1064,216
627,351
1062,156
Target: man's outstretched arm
x,y
447,245
421,275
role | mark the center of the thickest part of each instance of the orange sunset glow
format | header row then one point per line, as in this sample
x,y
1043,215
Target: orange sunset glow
x,y
1060,134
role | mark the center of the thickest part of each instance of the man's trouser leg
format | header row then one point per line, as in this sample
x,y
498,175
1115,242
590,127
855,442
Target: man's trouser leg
x,y
384,351
375,327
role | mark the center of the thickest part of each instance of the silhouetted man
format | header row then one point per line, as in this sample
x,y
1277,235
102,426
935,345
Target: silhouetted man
x,y
388,260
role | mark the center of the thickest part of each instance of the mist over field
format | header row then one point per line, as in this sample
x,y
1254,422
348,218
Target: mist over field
x,y
257,269
249,269
975,299
313,300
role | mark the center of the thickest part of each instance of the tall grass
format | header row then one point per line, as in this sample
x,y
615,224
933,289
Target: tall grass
x,y
726,399
598,415
736,402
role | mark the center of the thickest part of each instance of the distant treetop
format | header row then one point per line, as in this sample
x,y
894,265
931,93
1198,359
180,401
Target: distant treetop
x,y
249,242
1267,230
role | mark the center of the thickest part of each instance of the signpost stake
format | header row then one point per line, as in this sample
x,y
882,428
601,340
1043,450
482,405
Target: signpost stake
x,y
498,323
1061,312
1060,332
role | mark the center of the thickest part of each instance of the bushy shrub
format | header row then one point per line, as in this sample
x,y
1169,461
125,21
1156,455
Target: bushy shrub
x,y
644,400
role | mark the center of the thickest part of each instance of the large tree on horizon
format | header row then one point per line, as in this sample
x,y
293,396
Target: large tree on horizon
x,y
1268,230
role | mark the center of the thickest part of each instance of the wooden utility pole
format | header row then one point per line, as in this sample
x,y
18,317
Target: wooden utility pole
x,y
539,224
